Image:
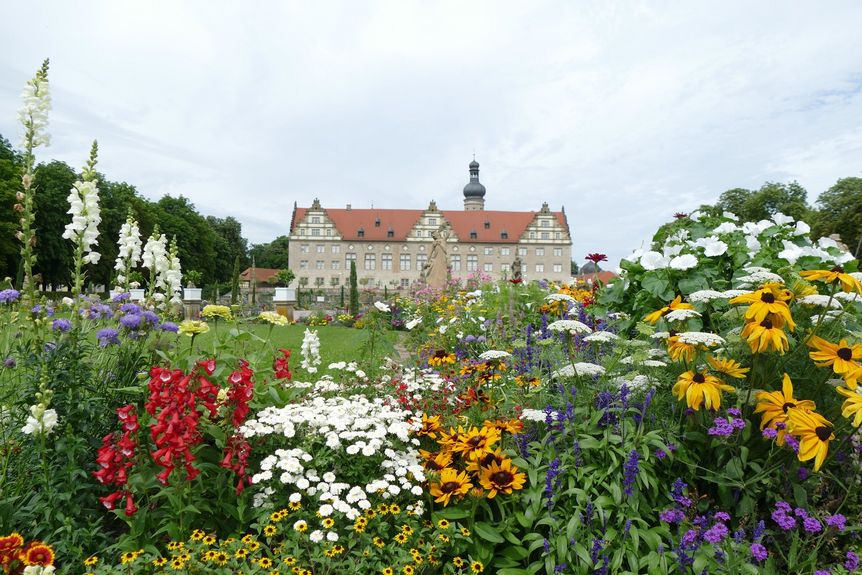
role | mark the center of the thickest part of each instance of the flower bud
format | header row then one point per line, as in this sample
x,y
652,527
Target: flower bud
x,y
19,196
27,181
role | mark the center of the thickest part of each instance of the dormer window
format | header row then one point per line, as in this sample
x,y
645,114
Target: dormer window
x,y
487,225
473,235
377,223
360,232
504,235
390,233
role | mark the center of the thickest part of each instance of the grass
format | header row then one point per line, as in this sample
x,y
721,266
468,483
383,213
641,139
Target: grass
x,y
337,343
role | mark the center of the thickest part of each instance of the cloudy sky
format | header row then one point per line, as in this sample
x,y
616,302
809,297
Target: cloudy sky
x,y
623,112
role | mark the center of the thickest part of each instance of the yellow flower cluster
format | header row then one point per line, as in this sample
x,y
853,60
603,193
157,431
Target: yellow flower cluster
x,y
273,318
213,311
191,327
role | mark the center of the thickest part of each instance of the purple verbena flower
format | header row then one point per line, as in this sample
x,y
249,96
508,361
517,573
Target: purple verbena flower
x,y
150,317
836,521
852,562
122,296
716,533
811,525
720,428
9,295
671,516
769,433
130,308
759,552
722,516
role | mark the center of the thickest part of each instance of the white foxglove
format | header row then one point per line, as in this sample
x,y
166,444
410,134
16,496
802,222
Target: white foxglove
x,y
310,351
84,227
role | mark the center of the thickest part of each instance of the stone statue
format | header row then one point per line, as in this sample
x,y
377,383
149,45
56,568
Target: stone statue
x,y
436,270
516,270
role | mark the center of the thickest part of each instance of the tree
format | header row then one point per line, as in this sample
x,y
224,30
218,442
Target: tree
x,y
284,277
840,212
53,253
234,286
274,255
229,244
574,268
771,198
354,290
10,184
196,240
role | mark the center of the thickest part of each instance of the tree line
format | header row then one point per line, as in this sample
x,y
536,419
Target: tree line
x,y
207,245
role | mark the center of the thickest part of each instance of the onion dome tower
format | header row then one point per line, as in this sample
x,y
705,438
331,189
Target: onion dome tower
x,y
474,192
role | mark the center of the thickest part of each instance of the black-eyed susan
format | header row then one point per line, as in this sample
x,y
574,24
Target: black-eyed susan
x,y
176,545
501,478
771,299
852,406
408,570
130,556
477,567
394,509
241,553
159,562
253,546
443,537
221,558
441,357
328,522
458,562
814,432
476,442
728,367
276,516
680,350
209,555
401,538
465,532
90,561
197,535
406,529
208,540
378,542
430,426
387,571
513,426
295,505
766,335
289,560
775,405
842,357
436,461
443,524
264,562
177,563
677,303
301,526
452,482
836,274
270,530
247,538
700,388
497,456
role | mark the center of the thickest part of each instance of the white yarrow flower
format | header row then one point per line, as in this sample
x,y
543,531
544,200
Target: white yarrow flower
x,y
572,326
705,295
822,301
701,338
494,354
681,314
601,337
579,369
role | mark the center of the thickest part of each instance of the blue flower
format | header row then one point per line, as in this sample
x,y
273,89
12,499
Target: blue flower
x,y
130,308
123,296
631,470
169,326
130,321
9,295
108,336
61,325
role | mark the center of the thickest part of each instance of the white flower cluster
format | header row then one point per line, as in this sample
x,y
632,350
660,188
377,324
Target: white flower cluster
x,y
681,314
578,369
560,297
172,275
310,351
350,367
354,426
33,114
819,300
84,228
129,254
382,307
601,337
701,338
493,354
416,383
572,326
155,259
413,322
40,421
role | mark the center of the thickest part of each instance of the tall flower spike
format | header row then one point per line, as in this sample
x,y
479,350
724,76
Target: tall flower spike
x,y
129,252
155,260
172,274
33,115
83,230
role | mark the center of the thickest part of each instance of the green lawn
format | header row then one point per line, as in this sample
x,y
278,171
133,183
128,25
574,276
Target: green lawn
x,y
337,343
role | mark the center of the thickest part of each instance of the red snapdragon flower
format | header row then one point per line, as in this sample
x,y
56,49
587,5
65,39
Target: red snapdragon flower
x,y
281,365
116,458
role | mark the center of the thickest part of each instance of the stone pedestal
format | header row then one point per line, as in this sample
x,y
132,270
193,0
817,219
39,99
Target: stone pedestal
x,y
192,303
284,300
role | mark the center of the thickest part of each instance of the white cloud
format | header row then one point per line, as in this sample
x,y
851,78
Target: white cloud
x,y
623,112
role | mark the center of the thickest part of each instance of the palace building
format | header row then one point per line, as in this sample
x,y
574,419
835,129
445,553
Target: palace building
x,y
391,246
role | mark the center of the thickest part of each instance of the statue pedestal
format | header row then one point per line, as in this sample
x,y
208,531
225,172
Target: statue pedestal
x,y
284,309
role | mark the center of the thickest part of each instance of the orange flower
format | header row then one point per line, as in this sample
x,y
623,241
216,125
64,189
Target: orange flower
x,y
452,482
477,442
501,477
37,553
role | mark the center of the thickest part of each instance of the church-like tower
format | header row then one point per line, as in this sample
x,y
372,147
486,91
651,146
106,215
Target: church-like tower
x,y
474,192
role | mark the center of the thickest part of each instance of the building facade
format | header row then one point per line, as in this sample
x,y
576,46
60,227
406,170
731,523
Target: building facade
x,y
391,246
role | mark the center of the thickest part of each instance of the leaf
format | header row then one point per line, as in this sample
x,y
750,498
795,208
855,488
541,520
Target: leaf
x,y
487,532
512,571
657,286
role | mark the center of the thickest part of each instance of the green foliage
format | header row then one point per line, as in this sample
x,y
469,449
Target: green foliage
x,y
234,287
840,212
771,198
285,277
274,255
354,290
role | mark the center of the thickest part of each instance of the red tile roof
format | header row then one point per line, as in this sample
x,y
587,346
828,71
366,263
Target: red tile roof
x,y
376,223
261,275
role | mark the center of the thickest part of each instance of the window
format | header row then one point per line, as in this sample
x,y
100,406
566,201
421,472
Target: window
x,y
336,248
532,235
522,251
386,262
420,261
489,251
487,225
505,267
405,282
558,268
315,219
303,248
488,268
456,263
558,252
360,232
546,235
558,235
318,281
315,232
303,264
472,263
540,268
370,262
302,233
321,248
505,251
432,221
504,235
319,264
540,251
545,223
334,280
347,259
405,262
328,231
336,264
303,281
390,233
377,222
473,235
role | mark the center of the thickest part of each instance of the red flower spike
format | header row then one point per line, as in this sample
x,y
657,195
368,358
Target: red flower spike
x,y
131,508
208,365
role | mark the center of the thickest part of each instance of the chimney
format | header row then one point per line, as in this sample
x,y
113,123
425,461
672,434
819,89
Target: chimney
x,y
348,207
